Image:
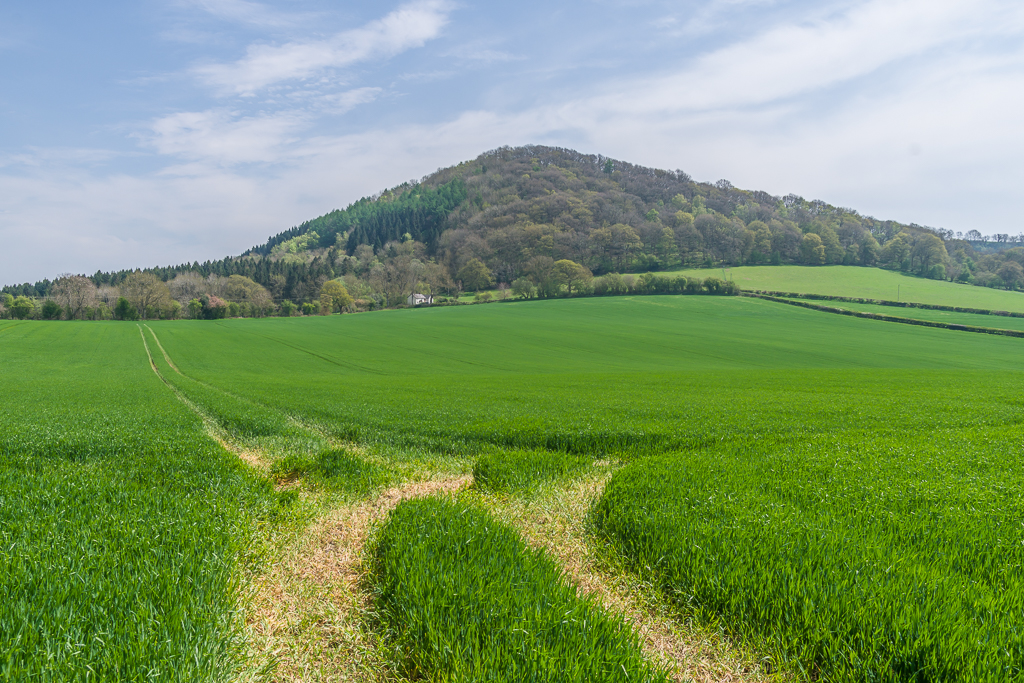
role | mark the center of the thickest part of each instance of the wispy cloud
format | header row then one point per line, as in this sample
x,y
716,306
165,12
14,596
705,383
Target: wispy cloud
x,y
222,136
407,27
481,51
249,13
226,137
796,58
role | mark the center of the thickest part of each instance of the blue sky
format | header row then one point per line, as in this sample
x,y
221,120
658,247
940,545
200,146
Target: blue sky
x,y
160,131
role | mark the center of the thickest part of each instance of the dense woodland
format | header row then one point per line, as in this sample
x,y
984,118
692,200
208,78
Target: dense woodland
x,y
507,218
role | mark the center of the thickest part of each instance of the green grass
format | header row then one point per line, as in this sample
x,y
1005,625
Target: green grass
x,y
795,426
596,376
334,469
952,317
121,524
864,283
881,558
506,471
463,598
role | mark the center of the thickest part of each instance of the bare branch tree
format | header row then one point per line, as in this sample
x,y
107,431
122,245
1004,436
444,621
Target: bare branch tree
x,y
145,292
74,293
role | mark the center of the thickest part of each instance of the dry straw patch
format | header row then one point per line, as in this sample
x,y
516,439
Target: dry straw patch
x,y
307,612
555,520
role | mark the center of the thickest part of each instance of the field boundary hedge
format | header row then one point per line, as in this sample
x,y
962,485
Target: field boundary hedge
x,y
888,318
886,302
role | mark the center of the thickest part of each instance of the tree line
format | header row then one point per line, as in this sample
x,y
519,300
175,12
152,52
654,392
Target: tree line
x,y
510,214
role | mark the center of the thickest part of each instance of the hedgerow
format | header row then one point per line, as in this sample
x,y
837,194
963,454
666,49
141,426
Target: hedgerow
x,y
891,318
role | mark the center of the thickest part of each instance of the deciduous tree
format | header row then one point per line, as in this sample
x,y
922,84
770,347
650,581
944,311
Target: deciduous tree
x,y
22,307
475,275
812,251
74,293
572,275
338,293
146,293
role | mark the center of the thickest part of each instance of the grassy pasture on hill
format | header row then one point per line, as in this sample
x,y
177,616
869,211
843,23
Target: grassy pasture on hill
x,y
841,475
864,283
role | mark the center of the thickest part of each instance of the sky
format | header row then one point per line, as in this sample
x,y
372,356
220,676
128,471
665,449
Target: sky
x,y
156,132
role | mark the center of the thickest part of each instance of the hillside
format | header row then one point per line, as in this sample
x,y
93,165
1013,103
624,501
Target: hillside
x,y
511,212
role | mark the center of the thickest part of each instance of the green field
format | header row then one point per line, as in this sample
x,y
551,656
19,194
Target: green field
x,y
864,283
839,494
122,525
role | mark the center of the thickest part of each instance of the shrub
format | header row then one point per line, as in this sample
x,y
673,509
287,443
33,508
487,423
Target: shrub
x,y
51,310
123,310
461,597
309,309
713,285
524,288
524,470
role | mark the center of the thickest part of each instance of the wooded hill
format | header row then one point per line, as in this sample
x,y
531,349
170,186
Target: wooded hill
x,y
512,206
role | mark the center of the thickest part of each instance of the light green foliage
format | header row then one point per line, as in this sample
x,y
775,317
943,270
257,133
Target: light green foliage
x,y
475,275
867,283
517,470
121,523
463,598
878,557
309,240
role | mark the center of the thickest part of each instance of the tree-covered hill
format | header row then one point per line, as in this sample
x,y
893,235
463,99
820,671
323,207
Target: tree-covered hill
x,y
512,212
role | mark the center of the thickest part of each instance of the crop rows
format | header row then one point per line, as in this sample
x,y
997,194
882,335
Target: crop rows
x,y
463,598
882,558
122,526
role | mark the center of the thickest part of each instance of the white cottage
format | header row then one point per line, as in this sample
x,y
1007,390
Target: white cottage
x,y
418,299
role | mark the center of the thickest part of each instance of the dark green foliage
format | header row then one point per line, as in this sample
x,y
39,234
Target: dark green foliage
x,y
420,211
50,310
462,597
863,557
123,310
517,470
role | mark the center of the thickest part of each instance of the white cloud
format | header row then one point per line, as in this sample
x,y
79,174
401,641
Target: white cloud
x,y
407,27
794,59
224,137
